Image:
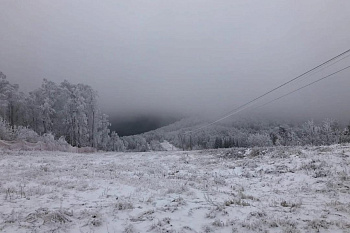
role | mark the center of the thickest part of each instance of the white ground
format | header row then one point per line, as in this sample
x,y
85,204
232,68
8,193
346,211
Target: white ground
x,y
266,190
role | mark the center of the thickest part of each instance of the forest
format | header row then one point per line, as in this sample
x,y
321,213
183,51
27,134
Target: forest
x,y
246,132
65,111
69,113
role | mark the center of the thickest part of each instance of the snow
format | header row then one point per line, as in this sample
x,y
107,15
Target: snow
x,y
168,146
52,145
290,189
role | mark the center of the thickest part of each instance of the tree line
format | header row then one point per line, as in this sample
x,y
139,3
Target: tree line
x,y
67,111
251,133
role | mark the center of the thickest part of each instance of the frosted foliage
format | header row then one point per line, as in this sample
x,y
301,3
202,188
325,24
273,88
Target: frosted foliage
x,y
67,111
23,133
5,130
259,140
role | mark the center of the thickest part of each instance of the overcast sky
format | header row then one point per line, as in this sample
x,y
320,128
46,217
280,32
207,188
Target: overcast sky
x,y
181,56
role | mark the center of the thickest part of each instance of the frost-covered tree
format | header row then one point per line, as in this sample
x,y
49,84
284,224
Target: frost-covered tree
x,y
135,143
218,143
330,131
259,140
82,117
65,110
310,133
6,133
90,97
103,137
9,100
115,143
345,135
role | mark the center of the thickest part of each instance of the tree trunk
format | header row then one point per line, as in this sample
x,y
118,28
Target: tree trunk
x,y
93,129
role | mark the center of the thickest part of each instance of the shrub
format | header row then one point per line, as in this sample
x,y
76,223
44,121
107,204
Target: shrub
x,y
5,130
26,134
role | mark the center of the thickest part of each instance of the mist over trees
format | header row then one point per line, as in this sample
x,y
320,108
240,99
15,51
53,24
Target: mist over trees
x,y
69,113
251,133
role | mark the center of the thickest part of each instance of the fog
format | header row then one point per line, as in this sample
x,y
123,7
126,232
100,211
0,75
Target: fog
x,y
178,58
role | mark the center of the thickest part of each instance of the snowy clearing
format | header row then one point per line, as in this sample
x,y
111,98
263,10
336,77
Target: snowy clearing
x,y
294,189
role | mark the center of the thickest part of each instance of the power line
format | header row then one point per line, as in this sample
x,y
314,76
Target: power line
x,y
244,106
325,67
289,93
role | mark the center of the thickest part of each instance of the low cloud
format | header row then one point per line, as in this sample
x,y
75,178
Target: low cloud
x,y
180,58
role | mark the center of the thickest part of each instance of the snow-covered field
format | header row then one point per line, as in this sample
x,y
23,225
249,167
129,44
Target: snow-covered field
x,y
261,190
